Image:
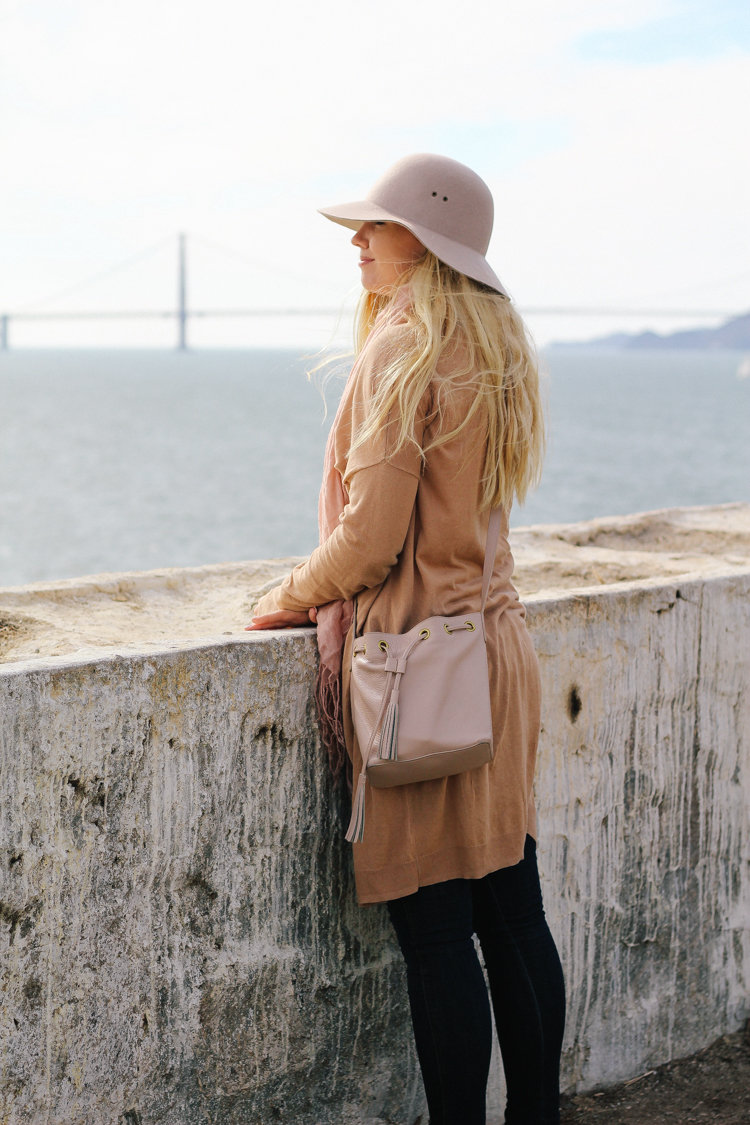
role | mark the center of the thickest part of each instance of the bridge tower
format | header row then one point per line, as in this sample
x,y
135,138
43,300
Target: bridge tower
x,y
182,313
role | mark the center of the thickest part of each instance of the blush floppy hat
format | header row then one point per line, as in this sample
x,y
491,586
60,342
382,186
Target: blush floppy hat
x,y
446,205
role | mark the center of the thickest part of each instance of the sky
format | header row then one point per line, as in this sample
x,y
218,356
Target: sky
x,y
614,137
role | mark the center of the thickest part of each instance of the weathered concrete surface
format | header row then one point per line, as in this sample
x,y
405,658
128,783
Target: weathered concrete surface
x,y
151,609
643,785
179,938
142,611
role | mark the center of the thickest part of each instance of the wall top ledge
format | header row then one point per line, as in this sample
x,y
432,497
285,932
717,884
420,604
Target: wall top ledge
x,y
111,617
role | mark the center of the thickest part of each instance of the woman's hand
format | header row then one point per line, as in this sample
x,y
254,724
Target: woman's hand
x,y
283,619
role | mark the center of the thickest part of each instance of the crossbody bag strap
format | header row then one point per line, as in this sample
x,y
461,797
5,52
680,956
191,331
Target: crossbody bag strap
x,y
490,551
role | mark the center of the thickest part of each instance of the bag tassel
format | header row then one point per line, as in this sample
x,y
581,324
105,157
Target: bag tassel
x,y
388,745
356,830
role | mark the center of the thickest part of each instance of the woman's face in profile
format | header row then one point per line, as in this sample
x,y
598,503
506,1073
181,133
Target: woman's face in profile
x,y
386,251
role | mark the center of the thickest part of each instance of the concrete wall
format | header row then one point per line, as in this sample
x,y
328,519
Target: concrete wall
x,y
643,787
180,938
180,942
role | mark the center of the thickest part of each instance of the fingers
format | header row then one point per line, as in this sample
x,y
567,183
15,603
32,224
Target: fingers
x,y
281,619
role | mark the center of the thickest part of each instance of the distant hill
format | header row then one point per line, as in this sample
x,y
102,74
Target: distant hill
x,y
734,333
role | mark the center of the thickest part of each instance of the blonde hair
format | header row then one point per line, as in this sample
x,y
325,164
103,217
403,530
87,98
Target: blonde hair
x,y
453,315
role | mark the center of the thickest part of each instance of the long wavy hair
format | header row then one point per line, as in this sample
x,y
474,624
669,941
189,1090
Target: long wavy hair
x,y
453,315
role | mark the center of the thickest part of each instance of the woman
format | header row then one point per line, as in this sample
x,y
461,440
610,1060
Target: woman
x,y
440,422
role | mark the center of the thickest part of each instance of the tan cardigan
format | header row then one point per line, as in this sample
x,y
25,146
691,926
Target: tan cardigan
x,y
411,545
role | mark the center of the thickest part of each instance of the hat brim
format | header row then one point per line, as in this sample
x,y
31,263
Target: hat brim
x,y
453,254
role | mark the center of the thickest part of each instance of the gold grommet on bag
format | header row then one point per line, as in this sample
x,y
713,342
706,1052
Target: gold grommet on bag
x,y
470,626
383,646
448,631
424,634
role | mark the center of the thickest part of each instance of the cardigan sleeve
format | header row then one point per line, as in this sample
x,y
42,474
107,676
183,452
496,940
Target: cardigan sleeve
x,y
362,549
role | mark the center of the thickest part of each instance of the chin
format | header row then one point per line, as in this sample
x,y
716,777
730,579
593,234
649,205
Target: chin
x,y
384,288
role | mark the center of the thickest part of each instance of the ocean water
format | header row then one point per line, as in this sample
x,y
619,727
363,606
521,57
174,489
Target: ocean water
x,y
129,460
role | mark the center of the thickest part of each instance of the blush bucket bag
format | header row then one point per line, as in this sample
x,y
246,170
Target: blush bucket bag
x,y
421,700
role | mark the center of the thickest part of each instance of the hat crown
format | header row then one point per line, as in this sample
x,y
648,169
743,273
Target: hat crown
x,y
440,194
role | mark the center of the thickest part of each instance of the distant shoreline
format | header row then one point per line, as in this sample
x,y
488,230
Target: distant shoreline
x,y
733,335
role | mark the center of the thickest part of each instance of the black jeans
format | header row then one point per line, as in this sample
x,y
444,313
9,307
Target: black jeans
x,y
450,1008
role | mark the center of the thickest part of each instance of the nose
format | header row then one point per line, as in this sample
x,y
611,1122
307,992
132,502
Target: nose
x,y
360,239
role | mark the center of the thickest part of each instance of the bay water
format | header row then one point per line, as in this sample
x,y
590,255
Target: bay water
x,y
130,460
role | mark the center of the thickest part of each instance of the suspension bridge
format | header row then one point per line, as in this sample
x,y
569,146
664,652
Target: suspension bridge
x,y
181,313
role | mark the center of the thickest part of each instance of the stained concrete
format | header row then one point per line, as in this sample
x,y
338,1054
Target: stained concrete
x,y
179,938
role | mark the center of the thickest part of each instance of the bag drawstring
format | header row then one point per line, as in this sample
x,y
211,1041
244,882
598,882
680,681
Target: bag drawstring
x,y
356,830
388,744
